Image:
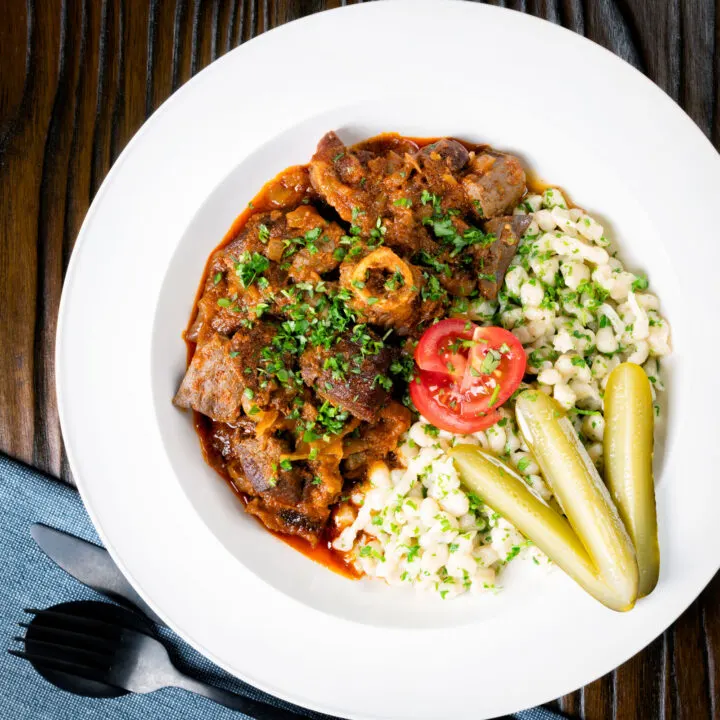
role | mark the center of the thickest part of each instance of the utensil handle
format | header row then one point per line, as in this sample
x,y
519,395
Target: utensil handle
x,y
254,708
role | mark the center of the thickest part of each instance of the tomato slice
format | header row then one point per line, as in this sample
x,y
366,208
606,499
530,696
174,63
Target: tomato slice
x,y
439,347
466,373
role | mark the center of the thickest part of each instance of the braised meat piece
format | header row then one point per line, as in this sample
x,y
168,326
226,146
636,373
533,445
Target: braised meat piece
x,y
337,175
241,278
261,463
374,442
495,258
327,482
247,348
371,186
382,184
209,314
219,307
494,183
350,375
213,384
452,153
288,497
250,275
224,374
318,241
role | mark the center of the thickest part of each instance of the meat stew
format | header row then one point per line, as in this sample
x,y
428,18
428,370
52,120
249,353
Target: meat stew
x,y
300,345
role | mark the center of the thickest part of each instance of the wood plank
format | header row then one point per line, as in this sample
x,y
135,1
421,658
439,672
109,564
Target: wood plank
x,y
638,683
30,31
597,699
47,451
710,609
689,662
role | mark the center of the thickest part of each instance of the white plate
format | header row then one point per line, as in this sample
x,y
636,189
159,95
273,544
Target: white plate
x,y
579,117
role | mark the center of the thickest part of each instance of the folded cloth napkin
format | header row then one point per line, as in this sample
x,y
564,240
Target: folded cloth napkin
x,y
29,579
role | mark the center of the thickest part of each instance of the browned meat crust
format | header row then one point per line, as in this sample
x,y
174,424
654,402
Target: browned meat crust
x,y
374,442
495,183
361,392
495,258
295,501
451,152
213,384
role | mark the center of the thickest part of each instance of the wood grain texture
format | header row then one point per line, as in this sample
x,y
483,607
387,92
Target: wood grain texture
x,y
77,80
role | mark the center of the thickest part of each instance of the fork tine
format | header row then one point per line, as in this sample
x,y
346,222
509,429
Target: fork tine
x,y
65,666
78,655
72,639
68,621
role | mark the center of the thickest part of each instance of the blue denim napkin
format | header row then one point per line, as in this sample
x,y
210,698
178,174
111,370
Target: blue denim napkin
x,y
29,579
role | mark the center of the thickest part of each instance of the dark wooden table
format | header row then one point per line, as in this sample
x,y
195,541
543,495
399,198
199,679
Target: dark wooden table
x,y
79,77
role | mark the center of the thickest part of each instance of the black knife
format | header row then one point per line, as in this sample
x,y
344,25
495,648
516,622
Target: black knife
x,y
91,565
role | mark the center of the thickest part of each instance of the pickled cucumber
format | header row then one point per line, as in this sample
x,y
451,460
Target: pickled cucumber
x,y
628,441
592,544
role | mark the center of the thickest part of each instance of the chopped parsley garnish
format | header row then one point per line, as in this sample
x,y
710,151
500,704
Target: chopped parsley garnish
x,y
425,258
330,420
369,551
432,290
383,381
403,202
378,233
308,241
404,367
395,281
490,361
446,231
413,550
580,411
263,233
641,283
250,266
428,197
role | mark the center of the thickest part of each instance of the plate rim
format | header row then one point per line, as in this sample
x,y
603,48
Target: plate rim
x,y
105,188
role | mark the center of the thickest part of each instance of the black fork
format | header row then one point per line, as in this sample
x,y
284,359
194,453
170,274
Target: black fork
x,y
60,640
